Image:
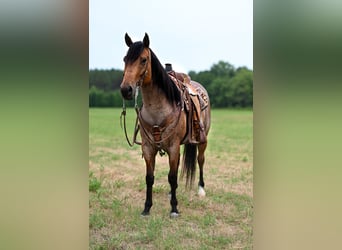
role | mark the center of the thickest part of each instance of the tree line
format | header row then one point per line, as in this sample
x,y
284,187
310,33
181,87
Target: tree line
x,y
227,86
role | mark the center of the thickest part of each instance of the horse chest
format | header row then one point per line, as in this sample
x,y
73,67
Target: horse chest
x,y
154,116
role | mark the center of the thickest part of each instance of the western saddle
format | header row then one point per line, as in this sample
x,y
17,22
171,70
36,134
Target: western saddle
x,y
193,101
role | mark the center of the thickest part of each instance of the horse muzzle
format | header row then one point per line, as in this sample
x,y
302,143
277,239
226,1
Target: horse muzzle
x,y
127,92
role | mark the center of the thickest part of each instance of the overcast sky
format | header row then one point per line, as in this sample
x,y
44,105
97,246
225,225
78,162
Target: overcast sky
x,y
190,34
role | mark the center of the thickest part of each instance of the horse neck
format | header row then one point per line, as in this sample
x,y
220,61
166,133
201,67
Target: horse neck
x,y
156,108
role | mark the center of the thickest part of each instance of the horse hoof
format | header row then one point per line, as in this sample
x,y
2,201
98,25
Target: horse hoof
x,y
174,215
145,214
201,192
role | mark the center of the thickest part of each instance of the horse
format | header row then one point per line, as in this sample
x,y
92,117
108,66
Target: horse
x,y
163,118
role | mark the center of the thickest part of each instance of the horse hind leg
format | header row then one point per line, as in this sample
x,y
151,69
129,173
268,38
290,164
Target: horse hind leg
x,y
200,160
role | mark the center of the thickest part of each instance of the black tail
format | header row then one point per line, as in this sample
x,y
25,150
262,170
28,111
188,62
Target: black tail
x,y
189,163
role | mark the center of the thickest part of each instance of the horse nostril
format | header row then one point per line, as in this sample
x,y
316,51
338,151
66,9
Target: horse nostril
x,y
126,92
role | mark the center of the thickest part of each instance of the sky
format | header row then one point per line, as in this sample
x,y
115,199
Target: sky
x,y
191,35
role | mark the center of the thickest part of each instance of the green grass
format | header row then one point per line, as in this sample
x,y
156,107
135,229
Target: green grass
x,y
221,220
94,183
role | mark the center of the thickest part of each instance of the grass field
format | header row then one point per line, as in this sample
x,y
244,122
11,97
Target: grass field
x,y
221,220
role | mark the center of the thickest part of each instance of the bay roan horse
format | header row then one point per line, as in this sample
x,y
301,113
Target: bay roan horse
x,y
163,118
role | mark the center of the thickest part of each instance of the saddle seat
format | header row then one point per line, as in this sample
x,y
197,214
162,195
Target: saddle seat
x,y
193,102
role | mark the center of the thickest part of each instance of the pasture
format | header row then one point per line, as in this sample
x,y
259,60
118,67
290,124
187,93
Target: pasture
x,y
221,220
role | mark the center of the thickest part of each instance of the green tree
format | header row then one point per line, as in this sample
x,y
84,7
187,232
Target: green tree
x,y
105,79
95,97
242,84
220,92
222,69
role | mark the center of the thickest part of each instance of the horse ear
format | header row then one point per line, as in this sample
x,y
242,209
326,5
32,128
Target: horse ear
x,y
128,40
146,41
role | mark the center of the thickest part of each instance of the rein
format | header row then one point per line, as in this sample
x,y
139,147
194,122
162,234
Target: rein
x,y
123,113
136,127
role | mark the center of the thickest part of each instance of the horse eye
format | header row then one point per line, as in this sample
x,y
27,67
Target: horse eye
x,y
143,61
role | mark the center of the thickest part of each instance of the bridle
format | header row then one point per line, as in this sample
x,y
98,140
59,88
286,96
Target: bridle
x,y
137,109
139,122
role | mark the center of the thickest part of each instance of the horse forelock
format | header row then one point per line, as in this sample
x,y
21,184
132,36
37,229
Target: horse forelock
x,y
134,52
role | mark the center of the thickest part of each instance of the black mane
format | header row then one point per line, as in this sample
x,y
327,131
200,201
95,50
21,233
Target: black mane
x,y
164,82
159,75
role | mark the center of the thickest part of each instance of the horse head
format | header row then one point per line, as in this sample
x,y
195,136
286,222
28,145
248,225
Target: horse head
x,y
137,69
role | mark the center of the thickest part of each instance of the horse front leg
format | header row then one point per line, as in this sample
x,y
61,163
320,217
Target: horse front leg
x,y
149,156
172,177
